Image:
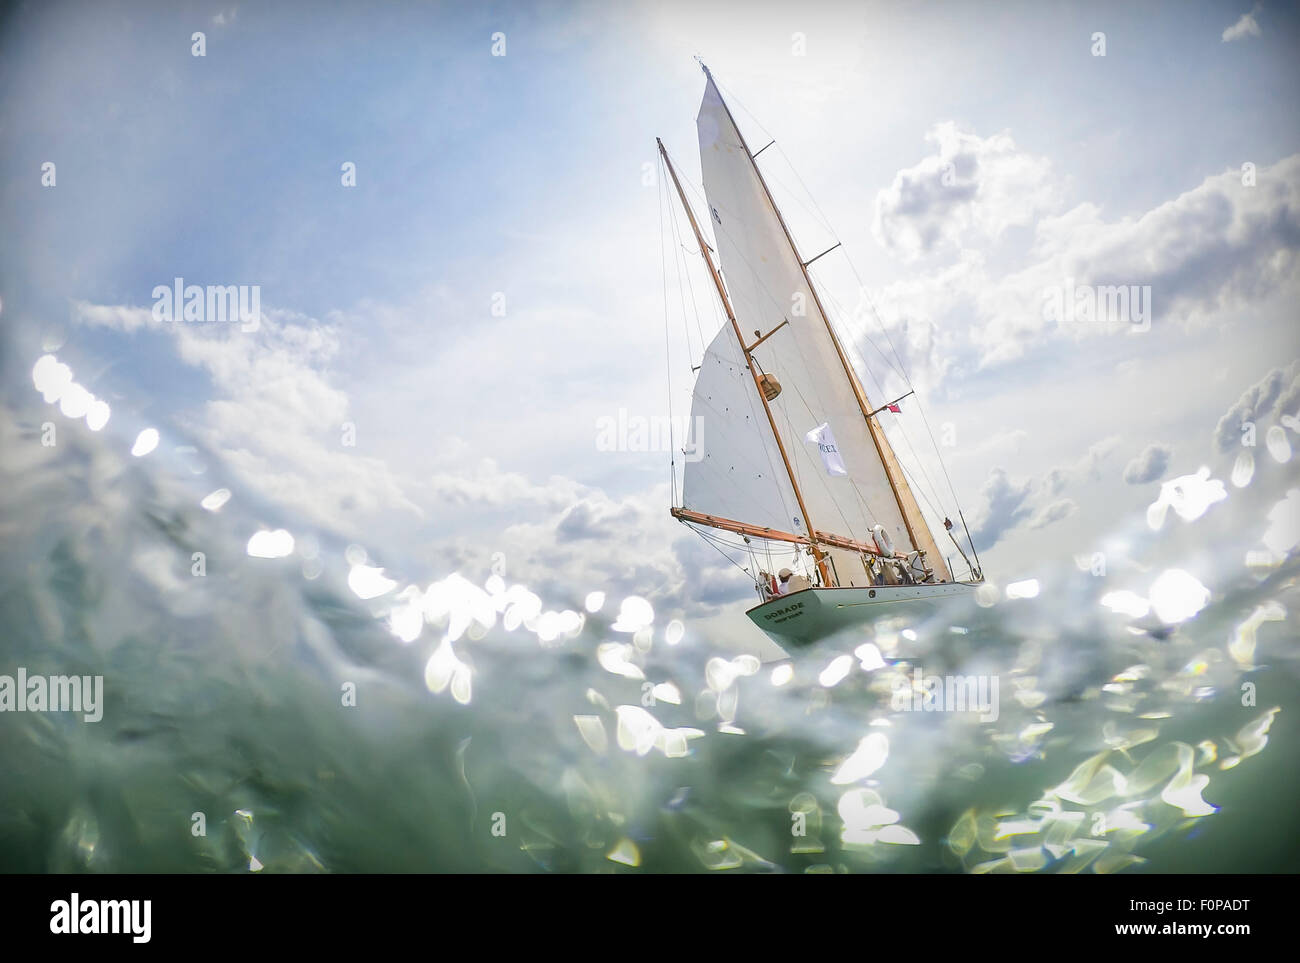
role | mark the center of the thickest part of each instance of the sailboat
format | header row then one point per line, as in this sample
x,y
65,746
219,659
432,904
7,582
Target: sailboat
x,y
785,450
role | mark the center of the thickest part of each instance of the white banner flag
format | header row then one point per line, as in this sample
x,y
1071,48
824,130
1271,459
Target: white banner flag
x,y
825,441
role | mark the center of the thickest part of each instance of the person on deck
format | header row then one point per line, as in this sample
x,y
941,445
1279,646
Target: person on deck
x,y
783,581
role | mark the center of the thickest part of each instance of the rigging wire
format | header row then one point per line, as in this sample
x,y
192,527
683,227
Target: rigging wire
x,y
721,544
680,267
683,268
695,304
920,407
901,428
709,541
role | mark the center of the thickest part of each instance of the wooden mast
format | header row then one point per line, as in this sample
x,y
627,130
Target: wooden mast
x,y
818,554
893,471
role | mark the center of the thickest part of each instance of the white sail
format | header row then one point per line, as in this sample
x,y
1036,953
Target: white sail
x,y
767,286
734,468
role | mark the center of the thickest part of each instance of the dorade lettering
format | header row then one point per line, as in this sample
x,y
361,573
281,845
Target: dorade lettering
x,y
783,611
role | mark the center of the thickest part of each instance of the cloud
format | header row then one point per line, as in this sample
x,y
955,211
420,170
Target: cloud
x,y
1006,506
1001,442
274,415
971,187
710,582
277,417
1088,467
1245,27
1220,245
1053,512
583,521
919,315
1009,503
1152,463
1279,390
485,485
117,317
629,545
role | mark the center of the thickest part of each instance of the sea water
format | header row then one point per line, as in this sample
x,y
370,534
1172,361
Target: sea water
x,y
294,709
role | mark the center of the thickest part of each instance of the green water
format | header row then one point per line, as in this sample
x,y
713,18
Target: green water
x,y
226,696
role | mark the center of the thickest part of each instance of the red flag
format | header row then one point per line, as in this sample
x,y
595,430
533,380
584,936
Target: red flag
x,y
895,409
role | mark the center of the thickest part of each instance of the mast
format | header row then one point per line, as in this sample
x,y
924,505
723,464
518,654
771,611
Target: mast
x,y
735,327
903,497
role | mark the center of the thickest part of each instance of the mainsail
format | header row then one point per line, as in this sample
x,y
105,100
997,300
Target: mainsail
x,y
738,471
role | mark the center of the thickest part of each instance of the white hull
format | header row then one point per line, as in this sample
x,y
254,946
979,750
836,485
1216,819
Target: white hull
x,y
811,614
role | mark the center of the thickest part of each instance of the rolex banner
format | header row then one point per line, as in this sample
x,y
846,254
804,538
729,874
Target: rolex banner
x,y
825,441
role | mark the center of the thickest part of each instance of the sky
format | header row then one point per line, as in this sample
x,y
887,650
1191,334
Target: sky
x,y
491,287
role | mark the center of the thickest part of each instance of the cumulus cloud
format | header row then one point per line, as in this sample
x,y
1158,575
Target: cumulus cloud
x,y
1087,468
1006,506
1218,246
1036,504
485,484
275,416
584,521
1152,463
629,545
280,421
971,186
920,315
1247,26
1053,512
711,582
1278,393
